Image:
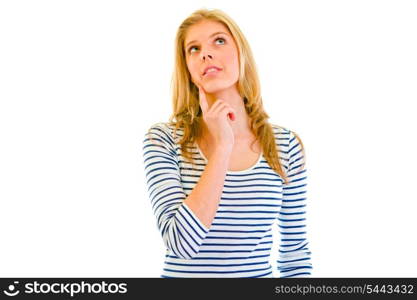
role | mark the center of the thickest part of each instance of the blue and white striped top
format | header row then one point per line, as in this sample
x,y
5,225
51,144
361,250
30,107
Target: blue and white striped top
x,y
238,242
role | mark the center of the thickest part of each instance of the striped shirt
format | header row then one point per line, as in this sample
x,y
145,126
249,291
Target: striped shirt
x,y
238,242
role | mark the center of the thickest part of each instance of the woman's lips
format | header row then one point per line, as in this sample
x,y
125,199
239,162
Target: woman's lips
x,y
211,73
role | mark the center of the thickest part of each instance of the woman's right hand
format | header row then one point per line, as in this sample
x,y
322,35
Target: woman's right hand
x,y
217,119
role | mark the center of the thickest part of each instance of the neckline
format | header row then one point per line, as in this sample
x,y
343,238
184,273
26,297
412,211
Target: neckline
x,y
230,171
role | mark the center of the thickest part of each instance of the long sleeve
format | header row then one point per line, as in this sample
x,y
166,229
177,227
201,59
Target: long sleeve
x,y
294,257
181,230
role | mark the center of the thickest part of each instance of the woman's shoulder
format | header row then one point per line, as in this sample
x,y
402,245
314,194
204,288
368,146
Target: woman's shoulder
x,y
280,130
167,129
283,133
164,126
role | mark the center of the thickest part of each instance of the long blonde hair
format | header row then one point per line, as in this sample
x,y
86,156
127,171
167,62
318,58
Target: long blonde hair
x,y
185,99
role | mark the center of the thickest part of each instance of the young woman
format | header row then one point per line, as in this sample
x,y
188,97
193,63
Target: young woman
x,y
220,176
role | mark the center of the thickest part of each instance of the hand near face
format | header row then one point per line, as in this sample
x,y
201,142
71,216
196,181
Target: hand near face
x,y
217,118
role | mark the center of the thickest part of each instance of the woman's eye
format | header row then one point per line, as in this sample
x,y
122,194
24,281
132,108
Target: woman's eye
x,y
220,39
192,47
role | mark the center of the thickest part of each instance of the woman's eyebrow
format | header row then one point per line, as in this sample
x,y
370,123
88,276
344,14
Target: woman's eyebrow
x,y
209,36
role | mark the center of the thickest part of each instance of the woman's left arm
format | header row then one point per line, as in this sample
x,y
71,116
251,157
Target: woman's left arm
x,y
294,257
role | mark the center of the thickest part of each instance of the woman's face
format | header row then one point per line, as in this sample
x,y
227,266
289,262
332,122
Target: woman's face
x,y
210,43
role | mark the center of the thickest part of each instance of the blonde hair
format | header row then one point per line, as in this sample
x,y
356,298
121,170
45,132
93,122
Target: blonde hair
x,y
185,99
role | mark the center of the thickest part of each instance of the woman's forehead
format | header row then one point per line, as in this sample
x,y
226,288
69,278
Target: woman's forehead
x,y
203,29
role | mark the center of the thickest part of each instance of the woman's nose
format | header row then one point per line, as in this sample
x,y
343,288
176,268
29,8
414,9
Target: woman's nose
x,y
207,55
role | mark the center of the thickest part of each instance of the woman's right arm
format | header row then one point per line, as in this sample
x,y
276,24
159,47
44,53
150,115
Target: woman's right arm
x,y
182,221
181,230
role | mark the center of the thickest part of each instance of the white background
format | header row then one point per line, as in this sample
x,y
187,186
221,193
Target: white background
x,y
82,81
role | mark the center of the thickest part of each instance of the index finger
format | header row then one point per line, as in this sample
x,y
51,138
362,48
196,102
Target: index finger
x,y
203,99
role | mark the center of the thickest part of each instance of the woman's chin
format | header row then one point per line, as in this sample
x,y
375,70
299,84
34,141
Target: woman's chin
x,y
213,87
